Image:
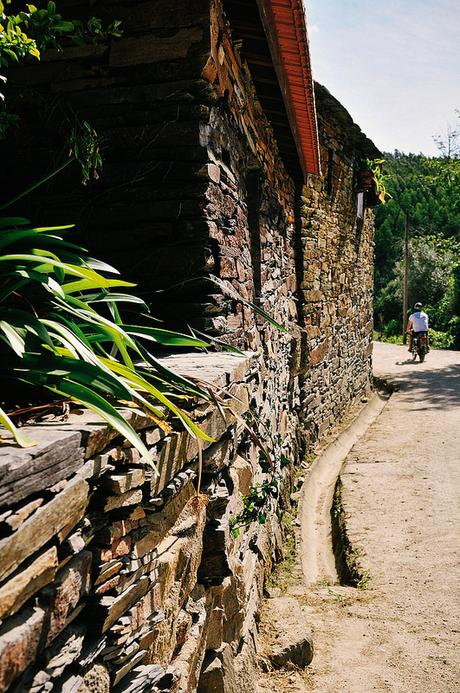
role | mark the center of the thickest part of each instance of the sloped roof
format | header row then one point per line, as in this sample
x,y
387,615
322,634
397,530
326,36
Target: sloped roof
x,y
330,107
275,46
285,25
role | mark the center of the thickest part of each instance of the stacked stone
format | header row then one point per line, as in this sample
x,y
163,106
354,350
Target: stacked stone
x,y
114,578
337,282
144,95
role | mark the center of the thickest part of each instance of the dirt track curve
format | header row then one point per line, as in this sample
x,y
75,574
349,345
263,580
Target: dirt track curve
x,y
400,631
401,497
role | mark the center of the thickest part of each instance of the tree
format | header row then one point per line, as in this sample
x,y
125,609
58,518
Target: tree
x,y
448,144
428,188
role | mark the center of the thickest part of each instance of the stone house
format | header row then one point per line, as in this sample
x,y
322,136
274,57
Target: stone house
x,y
221,158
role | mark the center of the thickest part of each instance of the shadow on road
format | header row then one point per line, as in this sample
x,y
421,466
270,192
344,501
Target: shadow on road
x,y
438,388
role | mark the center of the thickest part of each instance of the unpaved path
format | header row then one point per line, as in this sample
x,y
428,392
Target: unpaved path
x,y
401,498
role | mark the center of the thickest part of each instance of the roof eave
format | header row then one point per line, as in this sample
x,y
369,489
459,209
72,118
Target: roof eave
x,y
285,26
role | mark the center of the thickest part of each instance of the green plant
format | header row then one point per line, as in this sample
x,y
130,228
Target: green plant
x,y
379,179
441,340
272,460
359,577
393,328
46,28
338,598
61,329
7,121
84,145
15,44
31,31
255,506
454,330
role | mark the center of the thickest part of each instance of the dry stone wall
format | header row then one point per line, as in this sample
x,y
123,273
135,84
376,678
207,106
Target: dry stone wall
x,y
113,578
337,277
145,97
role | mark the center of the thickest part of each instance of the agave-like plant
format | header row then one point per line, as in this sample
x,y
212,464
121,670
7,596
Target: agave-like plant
x,y
61,329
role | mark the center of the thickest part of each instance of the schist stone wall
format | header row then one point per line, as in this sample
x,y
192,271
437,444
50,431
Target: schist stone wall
x,y
336,289
111,579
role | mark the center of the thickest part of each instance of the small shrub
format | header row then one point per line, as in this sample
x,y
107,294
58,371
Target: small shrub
x,y
454,331
392,328
441,340
61,329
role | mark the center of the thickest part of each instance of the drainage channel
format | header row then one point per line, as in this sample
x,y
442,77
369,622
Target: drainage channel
x,y
318,536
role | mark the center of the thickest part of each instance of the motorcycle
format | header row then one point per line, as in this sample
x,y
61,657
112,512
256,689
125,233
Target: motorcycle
x,y
419,347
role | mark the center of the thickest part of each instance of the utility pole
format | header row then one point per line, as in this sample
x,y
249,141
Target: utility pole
x,y
406,274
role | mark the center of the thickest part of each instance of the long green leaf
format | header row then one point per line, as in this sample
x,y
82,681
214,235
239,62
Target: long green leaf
x,y
44,264
165,337
21,318
107,412
108,297
172,377
53,369
6,222
19,437
186,420
15,339
97,283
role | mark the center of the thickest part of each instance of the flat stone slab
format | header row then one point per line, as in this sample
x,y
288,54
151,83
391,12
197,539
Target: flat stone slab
x,y
20,587
57,455
65,510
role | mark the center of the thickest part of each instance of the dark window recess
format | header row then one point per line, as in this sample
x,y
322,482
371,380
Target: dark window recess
x,y
330,171
253,204
360,205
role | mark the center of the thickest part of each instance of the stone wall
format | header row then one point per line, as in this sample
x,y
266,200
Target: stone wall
x,y
144,95
337,278
113,578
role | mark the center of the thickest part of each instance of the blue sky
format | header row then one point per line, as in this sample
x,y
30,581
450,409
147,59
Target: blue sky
x,y
394,64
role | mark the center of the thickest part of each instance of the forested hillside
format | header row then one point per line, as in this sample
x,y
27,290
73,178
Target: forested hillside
x,y
429,190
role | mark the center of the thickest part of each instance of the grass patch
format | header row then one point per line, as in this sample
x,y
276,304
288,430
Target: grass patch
x,y
284,573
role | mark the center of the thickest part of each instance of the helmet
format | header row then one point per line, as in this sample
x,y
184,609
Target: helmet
x,y
417,306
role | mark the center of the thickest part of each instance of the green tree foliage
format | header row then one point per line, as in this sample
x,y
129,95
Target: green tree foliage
x,y
25,34
428,189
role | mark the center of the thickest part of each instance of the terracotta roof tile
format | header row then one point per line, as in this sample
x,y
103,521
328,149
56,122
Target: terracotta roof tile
x,y
285,22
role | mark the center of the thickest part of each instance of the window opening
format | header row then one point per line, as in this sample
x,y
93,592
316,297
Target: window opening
x,y
330,171
253,185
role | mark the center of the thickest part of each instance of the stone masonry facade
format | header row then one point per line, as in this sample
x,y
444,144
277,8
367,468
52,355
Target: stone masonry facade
x,y
112,579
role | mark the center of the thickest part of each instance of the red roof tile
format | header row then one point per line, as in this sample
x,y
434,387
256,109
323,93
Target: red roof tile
x,y
285,24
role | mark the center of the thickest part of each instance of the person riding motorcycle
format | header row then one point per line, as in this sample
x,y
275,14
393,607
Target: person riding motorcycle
x,y
417,325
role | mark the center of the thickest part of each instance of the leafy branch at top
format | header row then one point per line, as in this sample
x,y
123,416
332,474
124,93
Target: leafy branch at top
x,y
378,177
29,32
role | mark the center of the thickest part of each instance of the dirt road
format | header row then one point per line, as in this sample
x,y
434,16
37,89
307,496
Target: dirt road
x,y
401,496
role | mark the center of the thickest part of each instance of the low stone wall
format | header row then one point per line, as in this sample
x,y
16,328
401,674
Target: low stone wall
x,y
113,578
